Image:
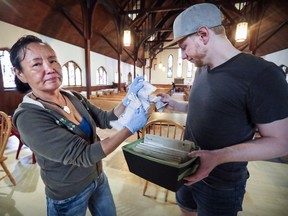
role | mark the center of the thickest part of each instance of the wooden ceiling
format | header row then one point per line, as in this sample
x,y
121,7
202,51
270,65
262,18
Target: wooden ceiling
x,y
98,24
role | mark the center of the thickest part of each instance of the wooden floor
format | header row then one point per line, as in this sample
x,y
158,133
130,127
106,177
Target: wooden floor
x,y
267,188
266,192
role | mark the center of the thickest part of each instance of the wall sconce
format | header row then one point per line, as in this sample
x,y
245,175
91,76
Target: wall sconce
x,y
154,62
160,66
127,37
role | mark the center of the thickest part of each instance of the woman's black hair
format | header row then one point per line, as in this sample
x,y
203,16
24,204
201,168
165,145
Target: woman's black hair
x,y
17,54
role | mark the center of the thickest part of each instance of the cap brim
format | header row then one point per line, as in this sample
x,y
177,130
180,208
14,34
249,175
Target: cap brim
x,y
174,42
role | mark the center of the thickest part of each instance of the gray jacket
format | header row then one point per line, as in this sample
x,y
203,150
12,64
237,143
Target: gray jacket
x,y
69,160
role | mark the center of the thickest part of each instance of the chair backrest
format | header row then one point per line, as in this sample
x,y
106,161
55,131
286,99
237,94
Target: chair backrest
x,y
165,128
5,130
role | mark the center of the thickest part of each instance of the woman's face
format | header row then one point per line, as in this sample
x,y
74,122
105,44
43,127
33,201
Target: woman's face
x,y
40,68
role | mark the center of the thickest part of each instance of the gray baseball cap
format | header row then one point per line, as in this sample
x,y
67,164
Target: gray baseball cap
x,y
194,17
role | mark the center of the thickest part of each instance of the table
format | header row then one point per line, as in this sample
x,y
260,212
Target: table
x,y
176,117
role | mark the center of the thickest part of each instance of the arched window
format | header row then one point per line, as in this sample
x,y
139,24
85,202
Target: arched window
x,y
170,66
129,78
179,64
72,74
6,69
101,76
189,69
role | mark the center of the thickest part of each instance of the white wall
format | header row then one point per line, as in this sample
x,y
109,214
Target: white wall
x,y
158,76
280,57
67,52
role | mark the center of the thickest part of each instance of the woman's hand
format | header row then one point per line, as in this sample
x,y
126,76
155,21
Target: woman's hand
x,y
138,120
136,85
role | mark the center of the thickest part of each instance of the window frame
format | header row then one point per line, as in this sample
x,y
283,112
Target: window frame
x,y
75,70
98,76
2,80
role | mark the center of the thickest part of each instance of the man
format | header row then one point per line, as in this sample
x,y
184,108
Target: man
x,y
233,95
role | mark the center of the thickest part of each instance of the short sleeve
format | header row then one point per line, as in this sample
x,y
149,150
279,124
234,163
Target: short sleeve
x,y
268,96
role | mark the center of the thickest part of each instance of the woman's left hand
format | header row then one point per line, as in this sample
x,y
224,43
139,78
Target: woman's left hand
x,y
136,85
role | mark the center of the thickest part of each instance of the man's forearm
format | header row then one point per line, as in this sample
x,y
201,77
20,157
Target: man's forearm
x,y
181,106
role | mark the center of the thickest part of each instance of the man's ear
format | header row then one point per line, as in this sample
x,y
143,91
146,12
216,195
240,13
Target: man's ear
x,y
203,32
20,75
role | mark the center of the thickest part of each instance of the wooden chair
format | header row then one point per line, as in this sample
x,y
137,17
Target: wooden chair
x,y
165,128
15,132
5,130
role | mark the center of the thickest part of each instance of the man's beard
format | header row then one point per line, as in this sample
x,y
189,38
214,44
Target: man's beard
x,y
198,63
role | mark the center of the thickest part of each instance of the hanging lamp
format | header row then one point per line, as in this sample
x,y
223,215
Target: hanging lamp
x,y
127,37
241,31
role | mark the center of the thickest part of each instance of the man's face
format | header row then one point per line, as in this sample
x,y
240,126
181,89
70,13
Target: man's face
x,y
193,49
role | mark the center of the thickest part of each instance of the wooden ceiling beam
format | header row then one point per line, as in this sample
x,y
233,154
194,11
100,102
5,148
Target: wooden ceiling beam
x,y
65,14
282,25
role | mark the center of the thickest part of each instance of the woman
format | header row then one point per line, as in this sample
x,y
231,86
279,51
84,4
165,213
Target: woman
x,y
60,128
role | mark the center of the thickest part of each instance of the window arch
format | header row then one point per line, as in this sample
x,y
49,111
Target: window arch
x,y
189,69
170,66
129,78
179,64
6,69
72,74
101,76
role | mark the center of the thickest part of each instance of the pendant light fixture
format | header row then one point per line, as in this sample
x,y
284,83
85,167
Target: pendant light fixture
x,y
127,37
241,31
242,26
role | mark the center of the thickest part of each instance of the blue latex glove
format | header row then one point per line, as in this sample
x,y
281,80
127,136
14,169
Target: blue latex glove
x,y
136,85
138,120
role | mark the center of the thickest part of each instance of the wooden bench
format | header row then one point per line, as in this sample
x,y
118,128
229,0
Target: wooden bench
x,y
108,102
109,97
105,104
162,90
186,94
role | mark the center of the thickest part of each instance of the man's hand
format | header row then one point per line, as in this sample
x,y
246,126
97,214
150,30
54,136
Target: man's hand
x,y
167,99
208,161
